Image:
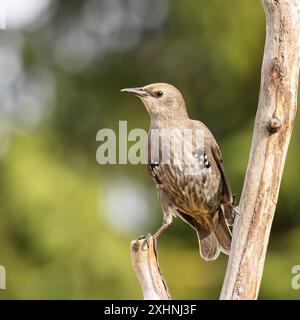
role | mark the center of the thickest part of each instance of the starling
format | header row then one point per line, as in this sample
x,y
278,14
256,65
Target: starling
x,y
201,197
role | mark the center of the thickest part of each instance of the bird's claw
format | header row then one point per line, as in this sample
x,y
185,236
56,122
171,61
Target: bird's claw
x,y
149,240
234,210
144,236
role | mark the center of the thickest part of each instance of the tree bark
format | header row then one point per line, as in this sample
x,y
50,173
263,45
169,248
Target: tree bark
x,y
145,264
272,132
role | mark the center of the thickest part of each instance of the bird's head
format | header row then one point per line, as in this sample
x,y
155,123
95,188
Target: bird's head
x,y
162,100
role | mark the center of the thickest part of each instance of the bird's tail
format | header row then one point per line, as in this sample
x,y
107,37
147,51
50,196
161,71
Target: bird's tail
x,y
211,242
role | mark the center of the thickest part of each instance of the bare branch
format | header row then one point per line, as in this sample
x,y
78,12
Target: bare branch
x,y
272,132
145,264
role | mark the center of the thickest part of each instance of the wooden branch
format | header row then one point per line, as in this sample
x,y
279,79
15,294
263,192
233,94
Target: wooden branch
x,y
145,264
272,132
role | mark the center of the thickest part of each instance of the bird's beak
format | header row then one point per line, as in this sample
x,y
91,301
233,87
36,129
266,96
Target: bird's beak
x,y
140,92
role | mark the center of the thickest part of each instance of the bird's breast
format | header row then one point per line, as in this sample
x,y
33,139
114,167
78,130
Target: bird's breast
x,y
192,194
185,170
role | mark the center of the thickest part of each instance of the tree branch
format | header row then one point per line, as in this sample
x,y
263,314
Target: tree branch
x,y
145,264
272,132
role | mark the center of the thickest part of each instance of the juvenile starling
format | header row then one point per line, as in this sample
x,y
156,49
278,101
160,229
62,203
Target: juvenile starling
x,y
202,198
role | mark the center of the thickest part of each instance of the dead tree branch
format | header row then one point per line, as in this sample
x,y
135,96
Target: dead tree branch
x,y
272,132
145,264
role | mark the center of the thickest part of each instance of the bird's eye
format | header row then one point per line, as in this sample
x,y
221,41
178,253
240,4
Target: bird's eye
x,y
159,94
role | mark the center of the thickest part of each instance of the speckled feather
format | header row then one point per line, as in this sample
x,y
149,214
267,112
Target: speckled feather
x,y
198,195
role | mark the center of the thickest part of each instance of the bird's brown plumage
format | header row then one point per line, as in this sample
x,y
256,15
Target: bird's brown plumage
x,y
194,188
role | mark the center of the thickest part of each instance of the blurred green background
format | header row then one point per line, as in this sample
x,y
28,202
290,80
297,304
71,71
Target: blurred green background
x,y
65,221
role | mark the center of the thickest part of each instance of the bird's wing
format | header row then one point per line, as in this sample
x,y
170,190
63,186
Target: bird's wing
x,y
227,198
152,172
218,158
227,195
212,147
211,144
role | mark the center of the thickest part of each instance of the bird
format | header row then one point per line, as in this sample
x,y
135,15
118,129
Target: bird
x,y
195,188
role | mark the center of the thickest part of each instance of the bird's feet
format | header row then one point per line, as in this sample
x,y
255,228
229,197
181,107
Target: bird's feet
x,y
235,205
149,240
144,236
232,212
